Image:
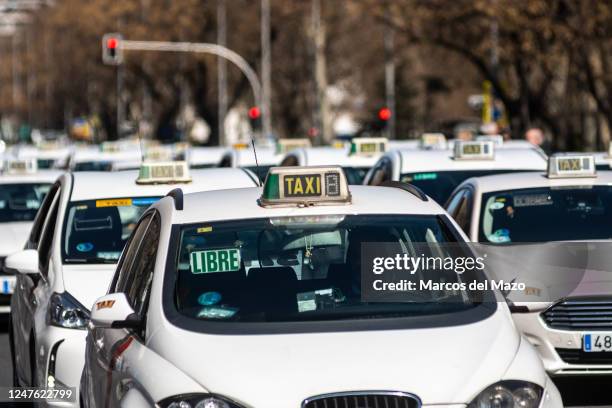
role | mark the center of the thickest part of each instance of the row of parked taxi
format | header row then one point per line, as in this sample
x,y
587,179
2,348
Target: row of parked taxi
x,y
230,278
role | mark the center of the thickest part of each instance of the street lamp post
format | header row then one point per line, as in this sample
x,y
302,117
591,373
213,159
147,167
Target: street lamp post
x,y
121,45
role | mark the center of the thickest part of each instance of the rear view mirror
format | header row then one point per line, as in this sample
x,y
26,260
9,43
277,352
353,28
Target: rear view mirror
x,y
113,311
25,262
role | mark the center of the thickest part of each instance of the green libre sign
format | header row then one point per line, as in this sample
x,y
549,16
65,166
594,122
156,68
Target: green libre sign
x,y
216,260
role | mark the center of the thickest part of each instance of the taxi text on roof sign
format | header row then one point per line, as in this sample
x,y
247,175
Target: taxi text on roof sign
x,y
286,145
305,186
474,150
164,173
21,166
368,146
561,165
430,140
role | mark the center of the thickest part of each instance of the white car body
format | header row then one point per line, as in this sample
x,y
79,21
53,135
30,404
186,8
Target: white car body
x,y
331,156
92,157
56,157
603,160
396,163
531,321
32,335
442,366
203,157
15,234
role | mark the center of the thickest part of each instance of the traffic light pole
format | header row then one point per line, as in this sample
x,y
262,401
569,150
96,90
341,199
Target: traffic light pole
x,y
200,48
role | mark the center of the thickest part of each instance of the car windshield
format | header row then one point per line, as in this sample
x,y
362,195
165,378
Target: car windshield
x,y
45,163
440,184
260,171
300,268
20,202
96,231
355,175
93,166
546,214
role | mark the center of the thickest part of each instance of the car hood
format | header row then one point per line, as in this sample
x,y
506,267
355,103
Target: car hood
x,y
86,283
14,236
439,365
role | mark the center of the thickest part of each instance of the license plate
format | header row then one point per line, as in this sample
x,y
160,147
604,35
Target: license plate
x,y
7,285
597,342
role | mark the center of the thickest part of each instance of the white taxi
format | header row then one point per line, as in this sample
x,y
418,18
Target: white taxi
x,y
252,298
47,156
603,160
258,161
437,172
22,190
94,158
355,159
205,157
77,239
571,202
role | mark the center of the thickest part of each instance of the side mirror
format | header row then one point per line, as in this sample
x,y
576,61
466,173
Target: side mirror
x,y
113,311
25,262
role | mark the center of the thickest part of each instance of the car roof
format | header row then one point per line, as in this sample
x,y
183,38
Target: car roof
x,y
41,176
243,204
95,155
326,155
516,181
602,158
90,185
442,160
206,155
266,156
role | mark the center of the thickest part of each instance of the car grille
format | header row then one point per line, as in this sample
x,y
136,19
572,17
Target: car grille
x,y
363,400
577,356
588,313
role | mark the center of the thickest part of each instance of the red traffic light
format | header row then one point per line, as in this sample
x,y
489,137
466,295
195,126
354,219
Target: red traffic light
x,y
112,43
384,114
254,112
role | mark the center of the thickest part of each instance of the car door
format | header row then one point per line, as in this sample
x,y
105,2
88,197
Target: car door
x,y
24,301
137,287
103,345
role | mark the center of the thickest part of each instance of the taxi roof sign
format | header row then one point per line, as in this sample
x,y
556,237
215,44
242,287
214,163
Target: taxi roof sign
x,y
474,150
570,165
305,186
497,139
21,166
170,172
368,146
110,147
433,140
286,145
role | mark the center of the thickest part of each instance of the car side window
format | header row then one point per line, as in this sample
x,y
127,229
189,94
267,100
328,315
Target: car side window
x,y
128,256
46,237
141,274
453,203
289,161
463,214
381,174
41,216
226,162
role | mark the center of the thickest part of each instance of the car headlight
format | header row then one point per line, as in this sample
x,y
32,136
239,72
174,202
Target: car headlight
x,y
509,394
197,401
65,311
